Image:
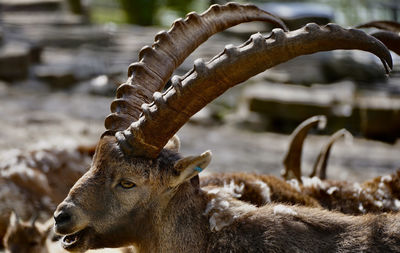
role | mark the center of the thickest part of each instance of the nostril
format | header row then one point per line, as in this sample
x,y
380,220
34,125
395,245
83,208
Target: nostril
x,y
62,217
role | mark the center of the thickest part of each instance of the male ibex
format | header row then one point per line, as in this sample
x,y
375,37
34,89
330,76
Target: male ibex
x,y
139,193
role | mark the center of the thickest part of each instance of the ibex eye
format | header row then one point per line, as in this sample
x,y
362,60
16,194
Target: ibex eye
x,y
126,184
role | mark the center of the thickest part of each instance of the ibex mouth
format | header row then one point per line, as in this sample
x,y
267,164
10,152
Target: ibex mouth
x,y
74,241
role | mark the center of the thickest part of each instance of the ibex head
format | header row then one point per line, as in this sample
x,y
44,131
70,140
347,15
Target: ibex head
x,y
139,188
24,236
120,189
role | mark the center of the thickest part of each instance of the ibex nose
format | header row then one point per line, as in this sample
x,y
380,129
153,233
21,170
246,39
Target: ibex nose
x,y
61,218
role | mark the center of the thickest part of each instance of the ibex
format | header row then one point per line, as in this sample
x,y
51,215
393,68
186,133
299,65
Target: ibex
x,y
378,195
30,180
381,194
35,237
139,193
259,189
24,237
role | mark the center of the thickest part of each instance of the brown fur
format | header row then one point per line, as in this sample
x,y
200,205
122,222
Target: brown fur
x,y
381,194
378,195
280,191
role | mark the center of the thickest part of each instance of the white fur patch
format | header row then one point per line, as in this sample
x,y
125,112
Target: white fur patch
x,y
332,189
223,209
283,210
386,178
396,204
313,182
233,189
265,190
361,207
294,184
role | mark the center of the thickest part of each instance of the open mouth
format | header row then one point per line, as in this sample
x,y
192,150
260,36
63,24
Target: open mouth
x,y
74,240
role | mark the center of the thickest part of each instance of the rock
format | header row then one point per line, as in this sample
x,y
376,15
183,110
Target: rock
x,y
328,67
374,115
65,36
3,89
102,85
296,103
58,77
43,18
356,65
35,53
30,5
14,61
305,69
1,35
379,116
203,117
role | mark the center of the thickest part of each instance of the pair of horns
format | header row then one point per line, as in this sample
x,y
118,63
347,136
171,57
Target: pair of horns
x,y
292,158
170,110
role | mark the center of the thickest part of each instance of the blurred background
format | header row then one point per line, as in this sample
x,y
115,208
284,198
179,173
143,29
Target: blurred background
x,y
61,61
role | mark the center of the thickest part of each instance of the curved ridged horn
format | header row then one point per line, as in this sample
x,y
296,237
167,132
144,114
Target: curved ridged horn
x,y
323,157
382,24
206,81
390,39
157,63
292,159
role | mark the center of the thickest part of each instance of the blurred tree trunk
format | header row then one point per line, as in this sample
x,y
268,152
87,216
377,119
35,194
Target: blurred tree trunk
x,y
139,12
76,6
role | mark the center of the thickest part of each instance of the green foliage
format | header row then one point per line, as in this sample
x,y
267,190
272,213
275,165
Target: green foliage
x,y
101,15
139,12
75,6
156,12
143,12
181,6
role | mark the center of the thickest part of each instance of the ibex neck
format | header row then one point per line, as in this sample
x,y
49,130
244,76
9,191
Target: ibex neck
x,y
181,226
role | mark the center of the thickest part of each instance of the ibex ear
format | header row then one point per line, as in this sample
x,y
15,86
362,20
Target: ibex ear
x,y
173,144
189,167
14,220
